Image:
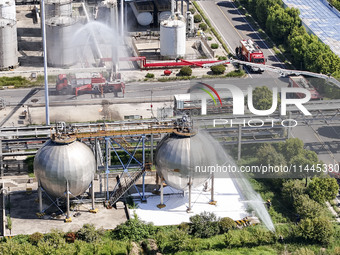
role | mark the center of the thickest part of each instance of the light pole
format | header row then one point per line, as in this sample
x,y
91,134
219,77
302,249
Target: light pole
x,y
43,27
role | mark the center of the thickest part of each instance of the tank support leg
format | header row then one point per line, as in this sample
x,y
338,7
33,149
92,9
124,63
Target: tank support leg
x,y
161,205
40,197
212,201
189,207
107,152
68,218
143,149
93,209
92,194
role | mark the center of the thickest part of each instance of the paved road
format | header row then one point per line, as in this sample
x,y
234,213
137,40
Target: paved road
x,y
233,27
323,139
141,90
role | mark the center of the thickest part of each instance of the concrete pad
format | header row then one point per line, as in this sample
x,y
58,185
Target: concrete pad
x,y
25,221
228,204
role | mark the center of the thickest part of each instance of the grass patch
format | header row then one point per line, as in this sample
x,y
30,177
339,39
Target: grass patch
x,y
22,82
236,73
177,78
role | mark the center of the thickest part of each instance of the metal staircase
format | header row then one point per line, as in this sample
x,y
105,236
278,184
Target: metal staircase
x,y
125,182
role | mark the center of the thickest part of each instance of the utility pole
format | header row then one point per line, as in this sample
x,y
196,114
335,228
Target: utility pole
x,y
43,27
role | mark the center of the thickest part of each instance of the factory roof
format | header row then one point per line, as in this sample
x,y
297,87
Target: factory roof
x,y
321,19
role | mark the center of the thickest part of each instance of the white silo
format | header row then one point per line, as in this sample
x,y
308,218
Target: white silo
x,y
59,34
172,38
60,28
8,35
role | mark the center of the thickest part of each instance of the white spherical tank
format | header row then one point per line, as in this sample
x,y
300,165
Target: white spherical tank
x,y
144,18
57,163
172,38
179,157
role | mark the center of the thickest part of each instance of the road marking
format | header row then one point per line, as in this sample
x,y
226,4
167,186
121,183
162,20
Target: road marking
x,y
212,21
232,25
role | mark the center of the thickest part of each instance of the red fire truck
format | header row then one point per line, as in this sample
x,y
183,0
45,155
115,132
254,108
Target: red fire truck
x,y
88,82
249,51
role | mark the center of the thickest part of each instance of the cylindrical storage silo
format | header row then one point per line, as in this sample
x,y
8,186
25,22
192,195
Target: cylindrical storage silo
x,y
8,35
56,8
59,35
178,158
7,9
172,38
59,162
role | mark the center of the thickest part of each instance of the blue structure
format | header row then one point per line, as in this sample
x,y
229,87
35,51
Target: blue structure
x,y
130,174
321,19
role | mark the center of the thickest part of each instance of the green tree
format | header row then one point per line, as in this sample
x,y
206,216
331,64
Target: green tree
x,y
267,155
298,41
203,26
197,18
214,46
220,69
204,225
281,22
134,229
88,233
291,147
336,4
263,8
35,238
225,224
307,208
185,71
318,230
262,98
323,189
291,189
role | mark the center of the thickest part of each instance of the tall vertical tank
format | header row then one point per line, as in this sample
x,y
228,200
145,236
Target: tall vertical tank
x,y
8,35
172,38
180,157
59,34
61,161
60,28
56,8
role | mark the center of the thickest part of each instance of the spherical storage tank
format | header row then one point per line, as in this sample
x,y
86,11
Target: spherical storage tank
x,y
172,38
144,18
164,16
58,162
180,157
8,35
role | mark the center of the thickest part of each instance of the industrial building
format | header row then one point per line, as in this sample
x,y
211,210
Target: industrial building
x,y
109,34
